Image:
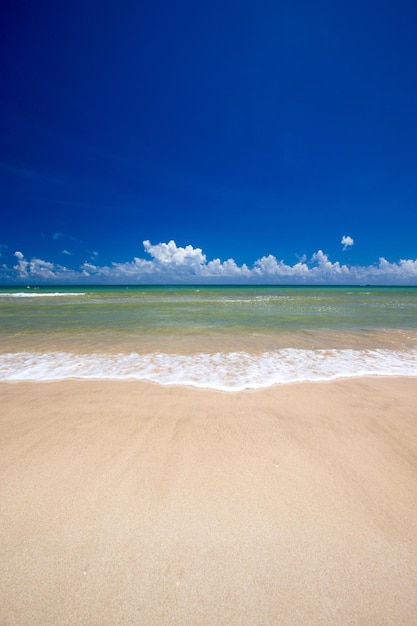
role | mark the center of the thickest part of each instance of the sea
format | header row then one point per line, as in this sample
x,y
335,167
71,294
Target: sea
x,y
227,338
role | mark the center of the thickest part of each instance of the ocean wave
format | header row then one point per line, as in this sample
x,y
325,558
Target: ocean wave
x,y
40,294
231,371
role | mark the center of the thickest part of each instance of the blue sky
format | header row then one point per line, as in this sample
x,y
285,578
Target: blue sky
x,y
253,136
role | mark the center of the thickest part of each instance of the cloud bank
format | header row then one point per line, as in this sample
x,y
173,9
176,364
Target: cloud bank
x,y
169,263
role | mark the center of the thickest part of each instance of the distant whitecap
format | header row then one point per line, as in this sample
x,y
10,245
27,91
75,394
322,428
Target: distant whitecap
x,y
40,294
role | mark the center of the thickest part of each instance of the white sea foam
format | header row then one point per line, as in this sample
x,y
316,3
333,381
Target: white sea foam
x,y
39,294
232,371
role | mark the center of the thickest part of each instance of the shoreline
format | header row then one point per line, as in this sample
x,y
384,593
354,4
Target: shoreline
x,y
223,371
132,502
380,378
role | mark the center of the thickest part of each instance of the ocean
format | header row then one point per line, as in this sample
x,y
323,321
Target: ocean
x,y
227,338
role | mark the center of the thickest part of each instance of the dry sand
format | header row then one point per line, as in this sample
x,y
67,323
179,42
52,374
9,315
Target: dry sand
x,y
129,503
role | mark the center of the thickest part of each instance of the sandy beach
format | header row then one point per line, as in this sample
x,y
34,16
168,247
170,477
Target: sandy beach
x,y
132,503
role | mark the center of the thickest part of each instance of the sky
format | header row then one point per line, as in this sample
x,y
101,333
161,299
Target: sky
x,y
178,141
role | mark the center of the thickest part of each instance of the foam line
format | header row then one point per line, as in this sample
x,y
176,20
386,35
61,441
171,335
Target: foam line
x,y
232,371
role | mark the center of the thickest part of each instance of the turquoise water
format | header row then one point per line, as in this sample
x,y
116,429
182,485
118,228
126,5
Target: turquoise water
x,y
198,323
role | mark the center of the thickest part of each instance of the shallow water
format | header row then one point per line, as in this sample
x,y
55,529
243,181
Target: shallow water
x,y
215,337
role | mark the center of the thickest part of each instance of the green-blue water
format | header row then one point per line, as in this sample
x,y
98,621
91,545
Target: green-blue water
x,y
226,309
195,320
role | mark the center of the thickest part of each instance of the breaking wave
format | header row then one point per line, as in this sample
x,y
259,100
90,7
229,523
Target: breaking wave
x,y
40,294
231,371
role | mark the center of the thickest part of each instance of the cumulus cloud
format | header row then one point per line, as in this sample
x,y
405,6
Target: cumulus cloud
x,y
347,241
270,267
169,254
169,263
22,264
325,269
39,270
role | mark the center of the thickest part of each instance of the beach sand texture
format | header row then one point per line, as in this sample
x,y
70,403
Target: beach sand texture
x,y
132,503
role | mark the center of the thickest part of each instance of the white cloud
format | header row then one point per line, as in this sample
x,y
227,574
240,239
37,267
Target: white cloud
x,y
171,254
269,267
347,241
169,263
324,268
218,269
22,265
39,270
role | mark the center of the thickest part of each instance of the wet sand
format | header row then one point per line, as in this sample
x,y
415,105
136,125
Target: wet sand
x,y
131,503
